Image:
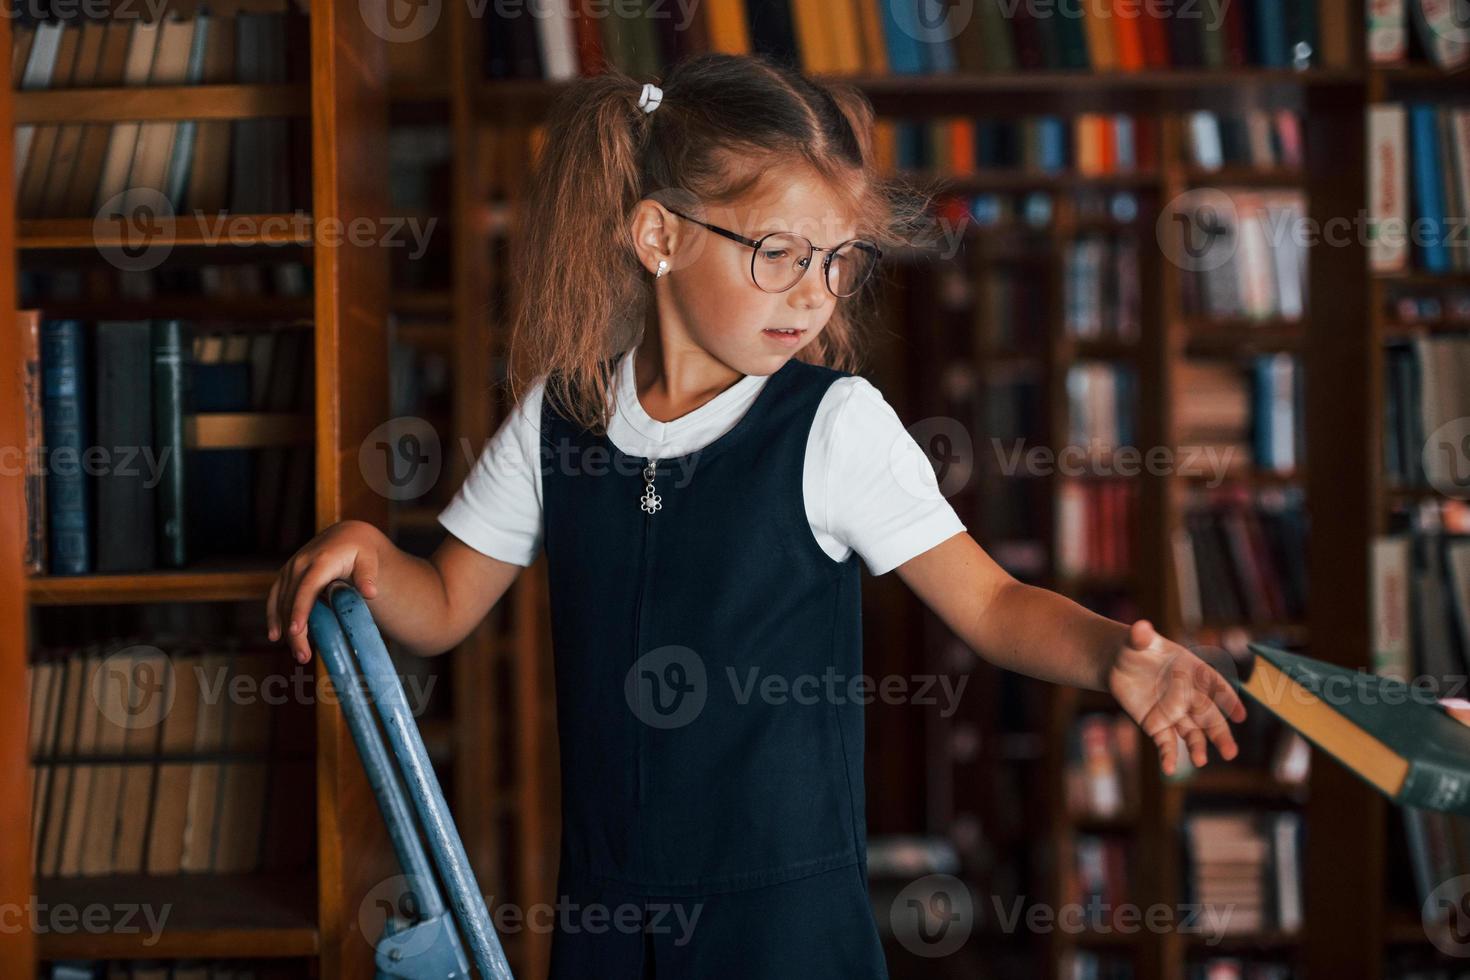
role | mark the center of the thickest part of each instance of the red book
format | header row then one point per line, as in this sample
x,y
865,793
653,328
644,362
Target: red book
x,y
1155,36
1128,35
590,57
1236,54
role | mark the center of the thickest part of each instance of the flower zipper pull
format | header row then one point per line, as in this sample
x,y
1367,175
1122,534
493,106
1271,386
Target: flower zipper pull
x,y
650,501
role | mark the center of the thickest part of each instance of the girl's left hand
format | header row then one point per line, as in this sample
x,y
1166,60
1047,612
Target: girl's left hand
x,y
1172,693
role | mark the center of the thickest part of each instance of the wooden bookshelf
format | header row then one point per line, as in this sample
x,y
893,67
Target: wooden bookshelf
x,y
511,832
311,916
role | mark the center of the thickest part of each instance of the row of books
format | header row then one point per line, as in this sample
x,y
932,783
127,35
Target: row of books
x,y
1013,309
1243,253
1421,598
1097,881
1426,392
1102,409
149,763
908,37
1088,144
1241,414
1095,528
1245,870
1102,287
1090,964
1448,306
1242,967
1438,36
99,283
70,170
1241,557
142,436
1101,777
1036,210
1439,852
1257,138
1418,186
191,969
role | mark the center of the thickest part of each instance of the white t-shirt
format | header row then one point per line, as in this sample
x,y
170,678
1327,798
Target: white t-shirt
x,y
868,486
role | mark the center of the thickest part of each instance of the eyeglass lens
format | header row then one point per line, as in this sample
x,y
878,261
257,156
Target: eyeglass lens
x,y
782,258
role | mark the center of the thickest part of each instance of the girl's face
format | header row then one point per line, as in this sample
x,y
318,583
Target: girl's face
x,y
709,299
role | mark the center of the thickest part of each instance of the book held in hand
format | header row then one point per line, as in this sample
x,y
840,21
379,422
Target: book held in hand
x,y
1396,736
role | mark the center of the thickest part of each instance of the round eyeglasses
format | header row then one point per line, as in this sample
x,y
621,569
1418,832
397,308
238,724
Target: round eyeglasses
x,y
780,259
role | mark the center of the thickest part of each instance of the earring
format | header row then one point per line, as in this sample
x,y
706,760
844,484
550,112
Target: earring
x,y
663,266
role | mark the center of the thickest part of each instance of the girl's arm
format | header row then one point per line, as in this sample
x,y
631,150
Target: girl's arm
x,y
427,606
1168,690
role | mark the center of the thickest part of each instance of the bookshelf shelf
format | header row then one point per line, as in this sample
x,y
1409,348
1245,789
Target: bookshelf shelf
x,y
1400,328
422,302
181,586
1024,180
1243,176
1244,942
1025,91
332,335
1404,927
1224,779
215,230
258,915
281,312
177,102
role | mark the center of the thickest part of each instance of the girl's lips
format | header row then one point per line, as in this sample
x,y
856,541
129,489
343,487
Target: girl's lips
x,y
789,339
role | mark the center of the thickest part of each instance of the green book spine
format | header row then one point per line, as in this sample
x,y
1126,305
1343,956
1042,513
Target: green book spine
x,y
168,438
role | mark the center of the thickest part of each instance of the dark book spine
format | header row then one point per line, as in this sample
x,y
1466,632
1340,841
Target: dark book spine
x,y
168,438
1436,786
1030,51
64,421
1071,40
772,31
125,542
1186,41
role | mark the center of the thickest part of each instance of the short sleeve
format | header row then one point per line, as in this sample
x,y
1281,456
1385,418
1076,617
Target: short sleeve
x,y
880,497
497,510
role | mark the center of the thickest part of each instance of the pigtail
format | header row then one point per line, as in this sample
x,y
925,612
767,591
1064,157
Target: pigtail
x,y
581,291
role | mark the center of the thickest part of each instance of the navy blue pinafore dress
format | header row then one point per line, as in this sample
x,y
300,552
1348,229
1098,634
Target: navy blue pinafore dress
x,y
713,820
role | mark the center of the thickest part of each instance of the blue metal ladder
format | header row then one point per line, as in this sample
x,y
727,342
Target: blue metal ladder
x,y
343,633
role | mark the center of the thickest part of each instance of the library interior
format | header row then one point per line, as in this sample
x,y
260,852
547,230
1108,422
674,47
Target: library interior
x,y
1173,329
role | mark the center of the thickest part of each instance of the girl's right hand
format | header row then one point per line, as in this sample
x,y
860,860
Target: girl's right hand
x,y
346,550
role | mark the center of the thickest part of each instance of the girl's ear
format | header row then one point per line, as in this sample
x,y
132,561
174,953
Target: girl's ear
x,y
654,238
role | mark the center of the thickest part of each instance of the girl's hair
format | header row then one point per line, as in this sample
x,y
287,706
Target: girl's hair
x,y
582,295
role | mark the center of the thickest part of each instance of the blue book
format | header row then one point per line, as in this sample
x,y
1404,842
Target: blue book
x,y
901,33
1051,132
937,48
913,145
1428,185
1273,49
64,414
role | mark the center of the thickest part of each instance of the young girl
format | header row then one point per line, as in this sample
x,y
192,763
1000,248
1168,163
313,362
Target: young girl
x,y
704,471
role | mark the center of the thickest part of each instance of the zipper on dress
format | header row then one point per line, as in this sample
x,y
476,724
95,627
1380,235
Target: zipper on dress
x,y
651,503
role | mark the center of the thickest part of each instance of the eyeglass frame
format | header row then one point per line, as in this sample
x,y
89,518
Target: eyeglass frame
x,y
755,244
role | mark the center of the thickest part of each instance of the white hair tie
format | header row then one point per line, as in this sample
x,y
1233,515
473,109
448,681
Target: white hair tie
x,y
651,98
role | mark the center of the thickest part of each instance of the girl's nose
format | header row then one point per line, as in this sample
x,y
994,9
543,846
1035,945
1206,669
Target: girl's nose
x,y
810,292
